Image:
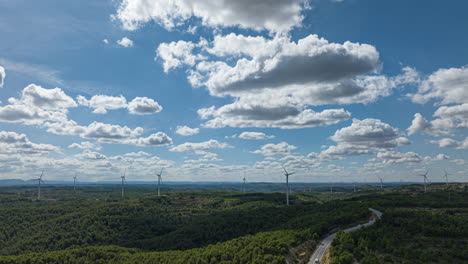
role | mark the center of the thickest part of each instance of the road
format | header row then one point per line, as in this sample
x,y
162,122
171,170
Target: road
x,y
326,242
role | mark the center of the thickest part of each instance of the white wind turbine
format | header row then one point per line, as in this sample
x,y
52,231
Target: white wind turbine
x,y
287,174
446,176
381,183
159,181
425,180
74,182
39,181
123,180
243,184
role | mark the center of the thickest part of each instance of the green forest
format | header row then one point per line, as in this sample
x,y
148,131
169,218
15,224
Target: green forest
x,y
225,226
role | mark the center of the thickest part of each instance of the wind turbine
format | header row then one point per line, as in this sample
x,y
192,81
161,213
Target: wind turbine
x,y
287,174
159,181
243,185
123,180
425,179
446,176
39,181
381,183
74,183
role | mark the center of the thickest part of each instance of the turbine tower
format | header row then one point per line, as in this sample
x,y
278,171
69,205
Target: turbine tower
x,y
381,183
446,176
425,179
39,181
159,181
243,185
123,180
74,183
287,174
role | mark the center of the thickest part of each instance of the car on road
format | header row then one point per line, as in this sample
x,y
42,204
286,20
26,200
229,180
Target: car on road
x,y
317,261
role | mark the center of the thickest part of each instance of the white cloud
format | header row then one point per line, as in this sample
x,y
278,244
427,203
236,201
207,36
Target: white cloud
x,y
279,149
36,106
21,113
274,81
2,76
85,145
157,139
244,113
48,99
144,106
176,54
125,42
441,157
394,157
91,155
14,143
449,118
451,143
137,154
275,16
102,103
105,41
447,85
200,147
138,106
363,137
187,131
281,63
254,135
110,133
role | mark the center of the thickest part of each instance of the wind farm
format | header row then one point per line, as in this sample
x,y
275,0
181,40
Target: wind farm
x,y
233,132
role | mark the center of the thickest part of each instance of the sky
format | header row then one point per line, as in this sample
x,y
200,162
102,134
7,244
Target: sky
x,y
333,90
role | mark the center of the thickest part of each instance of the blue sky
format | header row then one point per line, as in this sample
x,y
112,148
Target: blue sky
x,y
333,90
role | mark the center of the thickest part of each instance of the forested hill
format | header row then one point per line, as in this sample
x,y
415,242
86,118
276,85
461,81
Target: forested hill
x,y
182,227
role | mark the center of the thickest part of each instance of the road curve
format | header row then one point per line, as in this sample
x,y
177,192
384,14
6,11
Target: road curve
x,y
326,242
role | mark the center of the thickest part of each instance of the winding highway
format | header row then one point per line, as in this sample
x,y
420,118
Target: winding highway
x,y
326,242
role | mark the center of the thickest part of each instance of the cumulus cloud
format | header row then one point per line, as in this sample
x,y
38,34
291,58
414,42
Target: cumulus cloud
x,y
144,106
49,99
137,154
275,80
85,145
363,137
448,119
138,106
275,16
14,143
187,131
37,105
108,133
254,135
451,143
448,85
2,76
243,113
394,157
157,139
279,149
125,42
200,147
102,103
91,155
176,54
